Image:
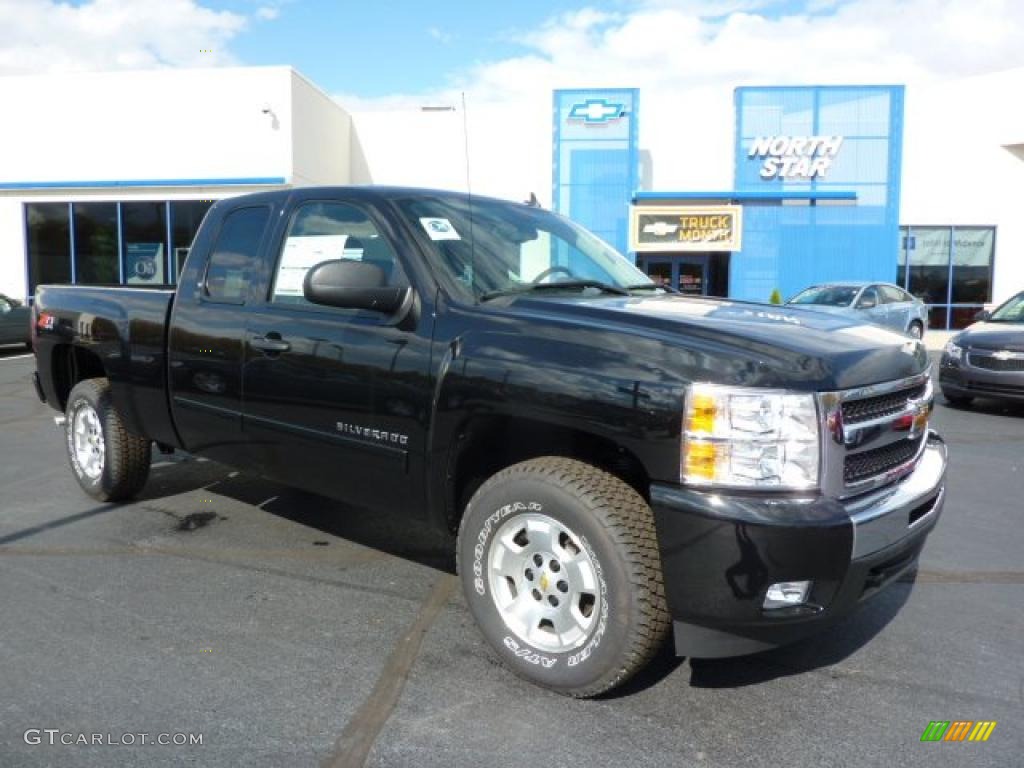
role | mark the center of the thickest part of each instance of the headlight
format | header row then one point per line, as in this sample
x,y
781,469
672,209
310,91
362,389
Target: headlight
x,y
749,438
953,350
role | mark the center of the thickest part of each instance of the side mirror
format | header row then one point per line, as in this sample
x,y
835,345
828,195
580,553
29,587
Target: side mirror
x,y
982,315
868,302
353,285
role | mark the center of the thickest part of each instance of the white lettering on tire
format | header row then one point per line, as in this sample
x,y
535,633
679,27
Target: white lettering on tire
x,y
595,640
485,534
529,655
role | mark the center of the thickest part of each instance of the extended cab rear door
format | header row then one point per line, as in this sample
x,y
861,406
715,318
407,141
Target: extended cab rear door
x,y
208,326
337,401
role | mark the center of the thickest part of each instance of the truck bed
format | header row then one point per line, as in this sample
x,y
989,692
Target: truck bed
x,y
126,328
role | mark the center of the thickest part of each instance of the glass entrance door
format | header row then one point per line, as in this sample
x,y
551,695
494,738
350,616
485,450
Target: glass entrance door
x,y
691,278
686,274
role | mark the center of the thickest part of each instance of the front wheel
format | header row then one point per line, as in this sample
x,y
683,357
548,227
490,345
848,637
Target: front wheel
x,y
560,567
109,462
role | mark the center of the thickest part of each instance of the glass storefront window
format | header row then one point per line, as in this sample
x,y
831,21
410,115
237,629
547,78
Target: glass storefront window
x,y
972,264
85,236
48,244
950,268
186,215
144,228
928,249
95,243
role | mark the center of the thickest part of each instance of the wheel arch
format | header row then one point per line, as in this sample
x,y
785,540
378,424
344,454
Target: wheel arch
x,y
485,445
71,364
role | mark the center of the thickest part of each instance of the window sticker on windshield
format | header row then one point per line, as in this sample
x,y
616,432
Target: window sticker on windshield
x,y
439,229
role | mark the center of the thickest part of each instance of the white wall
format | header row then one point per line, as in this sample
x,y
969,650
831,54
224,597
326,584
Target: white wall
x,y
957,169
689,136
509,152
321,137
161,124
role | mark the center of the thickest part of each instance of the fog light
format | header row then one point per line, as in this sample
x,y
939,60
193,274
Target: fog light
x,y
787,593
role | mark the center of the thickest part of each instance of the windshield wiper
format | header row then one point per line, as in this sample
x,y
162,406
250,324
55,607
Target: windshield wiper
x,y
560,285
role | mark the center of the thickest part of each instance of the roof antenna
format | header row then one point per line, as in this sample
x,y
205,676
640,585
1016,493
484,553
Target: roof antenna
x,y
469,196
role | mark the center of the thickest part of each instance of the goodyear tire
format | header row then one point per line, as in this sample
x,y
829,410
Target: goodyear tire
x,y
560,567
109,462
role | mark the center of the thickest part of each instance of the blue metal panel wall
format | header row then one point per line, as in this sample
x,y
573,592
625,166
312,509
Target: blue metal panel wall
x,y
596,160
792,244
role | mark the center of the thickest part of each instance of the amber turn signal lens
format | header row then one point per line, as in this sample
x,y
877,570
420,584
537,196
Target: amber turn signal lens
x,y
702,415
701,460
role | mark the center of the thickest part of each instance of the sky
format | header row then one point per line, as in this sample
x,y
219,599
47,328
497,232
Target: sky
x,y
381,53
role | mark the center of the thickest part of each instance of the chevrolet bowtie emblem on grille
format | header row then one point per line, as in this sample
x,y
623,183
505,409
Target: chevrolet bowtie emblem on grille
x,y
1005,354
597,111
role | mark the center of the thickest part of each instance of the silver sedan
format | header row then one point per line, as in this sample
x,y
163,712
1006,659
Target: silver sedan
x,y
879,303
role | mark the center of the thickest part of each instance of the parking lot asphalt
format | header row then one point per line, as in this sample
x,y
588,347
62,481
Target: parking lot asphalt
x,y
289,630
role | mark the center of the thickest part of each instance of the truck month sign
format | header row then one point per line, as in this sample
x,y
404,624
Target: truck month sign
x,y
687,228
795,157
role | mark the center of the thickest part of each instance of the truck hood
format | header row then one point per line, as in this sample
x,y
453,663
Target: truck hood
x,y
1008,336
746,343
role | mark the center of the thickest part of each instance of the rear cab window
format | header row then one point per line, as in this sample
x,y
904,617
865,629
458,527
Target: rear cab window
x,y
233,259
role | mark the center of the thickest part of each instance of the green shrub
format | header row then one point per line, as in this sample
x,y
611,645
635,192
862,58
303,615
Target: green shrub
x,y
776,297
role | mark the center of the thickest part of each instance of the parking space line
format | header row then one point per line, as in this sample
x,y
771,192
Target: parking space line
x,y
360,734
16,357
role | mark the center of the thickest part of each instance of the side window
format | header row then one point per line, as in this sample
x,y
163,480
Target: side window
x,y
868,299
325,231
892,295
233,258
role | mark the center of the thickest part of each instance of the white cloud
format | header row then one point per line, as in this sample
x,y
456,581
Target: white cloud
x,y
669,45
49,36
267,12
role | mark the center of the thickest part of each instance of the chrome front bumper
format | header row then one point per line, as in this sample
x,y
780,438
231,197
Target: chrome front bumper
x,y
885,517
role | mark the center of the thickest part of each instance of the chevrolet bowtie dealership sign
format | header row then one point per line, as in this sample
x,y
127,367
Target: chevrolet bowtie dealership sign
x,y
686,228
795,157
597,111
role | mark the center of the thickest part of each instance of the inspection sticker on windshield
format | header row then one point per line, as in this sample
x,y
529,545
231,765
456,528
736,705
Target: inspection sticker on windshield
x,y
439,229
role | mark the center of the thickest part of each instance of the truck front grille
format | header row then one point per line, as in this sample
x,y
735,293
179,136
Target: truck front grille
x,y
874,435
878,461
880,406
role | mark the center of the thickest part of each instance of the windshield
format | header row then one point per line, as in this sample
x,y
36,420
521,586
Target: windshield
x,y
1010,312
509,248
828,295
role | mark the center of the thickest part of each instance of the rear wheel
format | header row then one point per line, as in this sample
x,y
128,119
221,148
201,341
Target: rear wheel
x,y
109,462
560,567
916,330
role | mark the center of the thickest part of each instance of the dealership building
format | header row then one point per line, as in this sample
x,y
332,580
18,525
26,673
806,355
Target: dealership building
x,y
104,177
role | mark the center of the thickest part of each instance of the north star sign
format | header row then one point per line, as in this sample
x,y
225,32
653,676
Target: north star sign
x,y
795,157
597,111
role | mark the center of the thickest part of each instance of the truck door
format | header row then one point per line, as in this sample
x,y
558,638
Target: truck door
x,y
207,328
337,400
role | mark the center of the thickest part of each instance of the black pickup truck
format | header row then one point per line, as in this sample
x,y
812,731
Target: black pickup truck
x,y
612,460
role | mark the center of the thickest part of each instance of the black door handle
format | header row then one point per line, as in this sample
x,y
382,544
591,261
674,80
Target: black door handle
x,y
270,344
